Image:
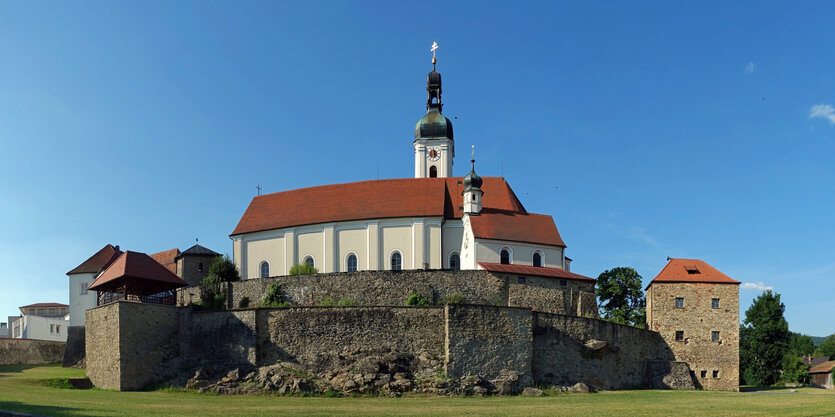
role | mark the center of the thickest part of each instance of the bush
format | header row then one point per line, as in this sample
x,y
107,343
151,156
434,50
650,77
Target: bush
x,y
325,302
223,268
346,302
303,269
209,289
244,303
274,297
416,299
455,298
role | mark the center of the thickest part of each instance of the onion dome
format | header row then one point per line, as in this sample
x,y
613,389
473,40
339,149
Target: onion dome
x,y
472,182
433,125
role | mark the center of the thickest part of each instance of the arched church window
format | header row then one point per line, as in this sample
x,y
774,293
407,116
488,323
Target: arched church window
x,y
454,261
309,260
352,263
505,257
537,259
396,261
265,269
433,172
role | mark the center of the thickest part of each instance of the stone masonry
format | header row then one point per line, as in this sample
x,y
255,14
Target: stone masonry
x,y
689,330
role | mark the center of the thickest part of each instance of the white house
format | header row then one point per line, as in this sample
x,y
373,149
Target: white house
x,y
42,321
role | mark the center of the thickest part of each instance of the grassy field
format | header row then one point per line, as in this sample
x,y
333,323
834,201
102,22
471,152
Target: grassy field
x,y
42,390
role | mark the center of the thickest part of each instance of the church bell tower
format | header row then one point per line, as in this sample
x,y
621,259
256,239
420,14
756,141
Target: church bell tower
x,y
434,147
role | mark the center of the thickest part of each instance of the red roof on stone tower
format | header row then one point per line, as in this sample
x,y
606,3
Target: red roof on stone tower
x,y
503,216
692,270
141,274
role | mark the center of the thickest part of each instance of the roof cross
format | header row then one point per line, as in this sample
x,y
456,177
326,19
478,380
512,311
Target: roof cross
x,y
433,48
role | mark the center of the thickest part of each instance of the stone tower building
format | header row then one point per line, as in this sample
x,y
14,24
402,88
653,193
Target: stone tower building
x,y
695,308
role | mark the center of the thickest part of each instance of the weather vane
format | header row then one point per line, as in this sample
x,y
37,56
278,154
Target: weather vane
x,y
433,48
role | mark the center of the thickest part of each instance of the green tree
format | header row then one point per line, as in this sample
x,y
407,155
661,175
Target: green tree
x,y
827,347
801,344
793,368
764,340
622,296
303,269
221,270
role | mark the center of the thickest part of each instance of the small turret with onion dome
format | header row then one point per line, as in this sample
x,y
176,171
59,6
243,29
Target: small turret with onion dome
x,y
472,190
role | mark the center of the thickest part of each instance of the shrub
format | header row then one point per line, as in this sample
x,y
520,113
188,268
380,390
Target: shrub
x,y
244,303
274,297
455,298
346,302
416,299
209,290
325,302
303,269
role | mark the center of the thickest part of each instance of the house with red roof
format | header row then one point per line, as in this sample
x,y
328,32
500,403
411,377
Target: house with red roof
x,y
431,221
41,321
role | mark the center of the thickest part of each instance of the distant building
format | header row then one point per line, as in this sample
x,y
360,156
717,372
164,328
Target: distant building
x,y
812,361
42,321
4,330
821,374
695,308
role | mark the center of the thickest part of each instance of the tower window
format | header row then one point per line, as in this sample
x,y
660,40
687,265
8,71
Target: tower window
x,y
704,374
714,303
265,269
396,261
352,263
716,374
679,335
200,267
433,172
537,259
680,302
714,336
505,257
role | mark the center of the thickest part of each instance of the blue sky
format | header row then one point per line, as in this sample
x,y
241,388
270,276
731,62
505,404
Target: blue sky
x,y
646,129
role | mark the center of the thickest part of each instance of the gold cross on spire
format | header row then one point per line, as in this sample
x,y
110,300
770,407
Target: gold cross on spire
x,y
433,48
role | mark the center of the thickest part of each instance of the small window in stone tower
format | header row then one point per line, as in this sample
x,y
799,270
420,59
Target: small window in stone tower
x,y
715,373
680,302
200,267
679,335
714,303
714,336
433,172
704,374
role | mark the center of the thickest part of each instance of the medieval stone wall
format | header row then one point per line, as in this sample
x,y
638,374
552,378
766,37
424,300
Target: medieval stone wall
x,y
514,346
391,288
715,363
30,351
569,349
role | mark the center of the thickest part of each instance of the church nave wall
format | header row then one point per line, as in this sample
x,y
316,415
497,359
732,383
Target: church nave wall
x,y
521,254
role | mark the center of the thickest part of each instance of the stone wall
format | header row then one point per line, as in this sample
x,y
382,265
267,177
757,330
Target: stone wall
x,y
490,342
499,346
391,288
715,363
74,351
125,341
321,338
567,350
30,351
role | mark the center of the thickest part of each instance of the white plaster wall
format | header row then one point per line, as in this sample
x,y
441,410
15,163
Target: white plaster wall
x,y
396,237
522,254
352,240
452,235
311,244
36,327
80,299
433,247
270,250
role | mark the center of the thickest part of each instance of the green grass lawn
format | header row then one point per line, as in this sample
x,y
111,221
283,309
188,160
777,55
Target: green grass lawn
x,y
38,390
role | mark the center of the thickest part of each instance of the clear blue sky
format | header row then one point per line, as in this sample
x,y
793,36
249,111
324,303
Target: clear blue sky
x,y
705,131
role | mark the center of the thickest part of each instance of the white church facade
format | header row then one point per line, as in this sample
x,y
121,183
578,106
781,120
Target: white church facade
x,y
431,221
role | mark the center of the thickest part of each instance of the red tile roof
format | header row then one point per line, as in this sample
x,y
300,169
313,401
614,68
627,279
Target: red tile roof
x,y
140,273
42,305
533,270
823,368
167,258
99,261
692,270
517,227
503,215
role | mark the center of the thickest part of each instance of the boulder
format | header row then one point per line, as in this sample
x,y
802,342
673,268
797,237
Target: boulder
x,y
532,392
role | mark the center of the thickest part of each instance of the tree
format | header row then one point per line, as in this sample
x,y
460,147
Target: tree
x,y
801,344
827,347
621,296
303,268
794,370
221,270
764,340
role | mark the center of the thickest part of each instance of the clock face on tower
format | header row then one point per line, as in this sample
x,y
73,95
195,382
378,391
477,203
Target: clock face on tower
x,y
434,154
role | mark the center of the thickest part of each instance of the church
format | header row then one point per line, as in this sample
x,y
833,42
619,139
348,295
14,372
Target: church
x,y
431,221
